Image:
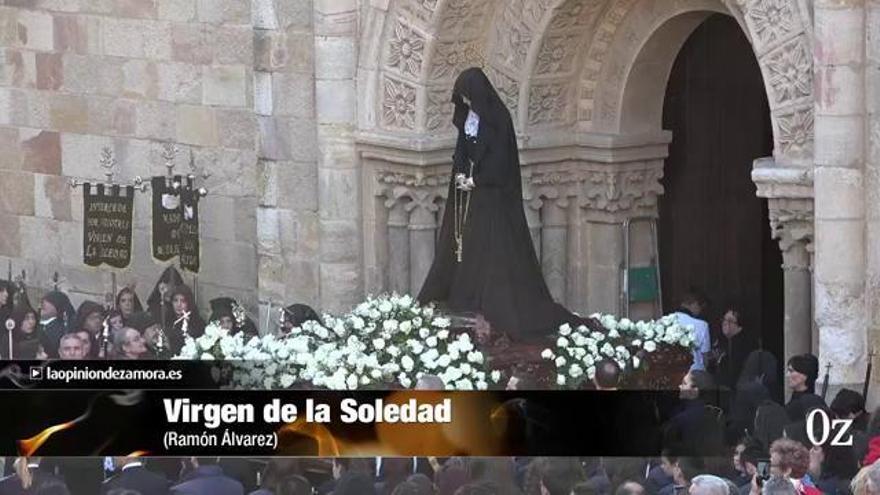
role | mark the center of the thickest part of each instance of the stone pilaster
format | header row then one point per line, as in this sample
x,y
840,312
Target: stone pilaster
x,y
840,273
872,178
339,206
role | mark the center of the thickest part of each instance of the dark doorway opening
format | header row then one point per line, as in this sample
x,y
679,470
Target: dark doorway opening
x,y
714,233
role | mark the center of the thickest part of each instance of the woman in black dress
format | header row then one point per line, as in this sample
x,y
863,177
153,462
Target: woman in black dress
x,y
485,261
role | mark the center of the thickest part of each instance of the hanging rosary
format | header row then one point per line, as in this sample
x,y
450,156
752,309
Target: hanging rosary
x,y
462,205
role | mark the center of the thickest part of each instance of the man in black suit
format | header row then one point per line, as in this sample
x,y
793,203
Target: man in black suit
x,y
133,475
207,477
31,475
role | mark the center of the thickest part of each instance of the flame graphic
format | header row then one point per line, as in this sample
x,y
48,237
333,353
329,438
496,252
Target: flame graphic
x,y
328,446
28,447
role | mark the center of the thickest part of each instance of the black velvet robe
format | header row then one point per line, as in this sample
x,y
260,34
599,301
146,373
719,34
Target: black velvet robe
x,y
499,276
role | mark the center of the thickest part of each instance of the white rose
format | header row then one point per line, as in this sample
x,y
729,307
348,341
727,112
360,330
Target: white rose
x,y
393,351
565,329
496,376
560,380
636,362
608,321
406,326
464,384
650,346
385,307
424,332
407,363
287,380
405,301
547,354
431,341
379,344
561,342
441,322
560,361
444,360
482,385
443,334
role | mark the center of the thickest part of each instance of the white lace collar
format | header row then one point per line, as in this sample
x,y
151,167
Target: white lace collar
x,y
472,124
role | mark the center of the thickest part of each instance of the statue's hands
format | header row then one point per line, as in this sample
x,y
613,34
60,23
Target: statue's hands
x,y
463,182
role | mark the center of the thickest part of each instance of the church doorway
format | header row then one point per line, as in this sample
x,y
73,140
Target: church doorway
x,y
714,234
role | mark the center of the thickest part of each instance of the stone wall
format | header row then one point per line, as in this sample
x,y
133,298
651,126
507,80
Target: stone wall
x,y
80,75
287,219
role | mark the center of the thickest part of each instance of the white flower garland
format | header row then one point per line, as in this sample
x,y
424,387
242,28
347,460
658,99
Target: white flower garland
x,y
579,349
388,339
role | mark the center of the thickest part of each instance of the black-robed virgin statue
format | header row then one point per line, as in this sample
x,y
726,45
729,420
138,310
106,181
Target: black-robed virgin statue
x,y
485,261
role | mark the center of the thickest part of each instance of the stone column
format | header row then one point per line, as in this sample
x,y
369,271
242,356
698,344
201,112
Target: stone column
x,y
422,229
398,248
791,223
839,191
533,219
341,277
554,244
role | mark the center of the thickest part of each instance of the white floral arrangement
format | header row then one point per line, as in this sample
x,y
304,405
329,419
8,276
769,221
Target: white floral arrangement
x,y
215,344
386,340
392,339
579,349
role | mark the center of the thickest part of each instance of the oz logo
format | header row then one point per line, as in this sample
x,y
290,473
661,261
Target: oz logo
x,y
840,428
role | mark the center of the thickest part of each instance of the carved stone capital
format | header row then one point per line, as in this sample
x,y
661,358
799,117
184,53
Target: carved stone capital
x,y
791,223
622,189
418,189
612,191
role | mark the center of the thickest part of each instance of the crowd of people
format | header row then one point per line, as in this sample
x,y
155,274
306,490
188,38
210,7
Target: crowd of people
x,y
731,398
790,469
123,329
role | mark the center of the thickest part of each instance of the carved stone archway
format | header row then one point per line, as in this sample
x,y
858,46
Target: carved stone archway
x,y
584,80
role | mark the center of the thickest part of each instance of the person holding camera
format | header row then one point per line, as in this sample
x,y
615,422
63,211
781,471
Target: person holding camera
x,y
789,460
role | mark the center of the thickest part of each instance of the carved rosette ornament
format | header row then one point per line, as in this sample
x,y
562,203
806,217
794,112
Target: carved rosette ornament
x,y
399,105
796,131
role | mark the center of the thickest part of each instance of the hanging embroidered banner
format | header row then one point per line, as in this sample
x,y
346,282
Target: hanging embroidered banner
x,y
189,228
107,225
166,219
